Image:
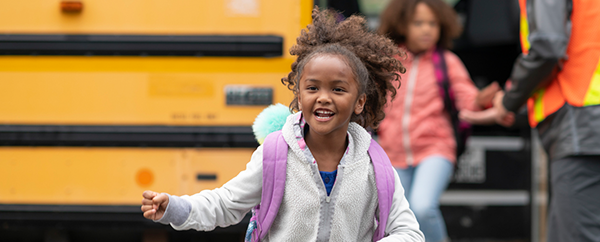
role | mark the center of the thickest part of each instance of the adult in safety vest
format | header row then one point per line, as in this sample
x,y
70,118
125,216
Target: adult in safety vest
x,y
558,77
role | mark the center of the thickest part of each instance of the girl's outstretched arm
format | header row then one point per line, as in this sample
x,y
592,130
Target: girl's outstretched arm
x,y
222,206
402,224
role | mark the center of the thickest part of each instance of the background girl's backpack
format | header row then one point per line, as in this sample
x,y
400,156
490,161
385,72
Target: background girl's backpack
x,y
275,151
462,130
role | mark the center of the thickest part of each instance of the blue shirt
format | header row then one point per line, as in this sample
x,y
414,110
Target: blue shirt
x,y
328,179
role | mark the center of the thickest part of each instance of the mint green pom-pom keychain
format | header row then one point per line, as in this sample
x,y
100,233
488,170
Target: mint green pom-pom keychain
x,y
270,120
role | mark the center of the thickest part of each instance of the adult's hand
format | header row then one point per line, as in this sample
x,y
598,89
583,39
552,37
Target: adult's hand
x,y
503,116
154,204
485,97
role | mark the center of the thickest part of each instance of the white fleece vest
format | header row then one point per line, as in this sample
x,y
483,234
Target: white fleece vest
x,y
306,213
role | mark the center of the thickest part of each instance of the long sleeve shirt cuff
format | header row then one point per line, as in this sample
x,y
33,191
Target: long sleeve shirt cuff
x,y
177,212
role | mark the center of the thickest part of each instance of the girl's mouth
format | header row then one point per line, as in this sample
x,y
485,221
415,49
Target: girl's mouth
x,y
323,115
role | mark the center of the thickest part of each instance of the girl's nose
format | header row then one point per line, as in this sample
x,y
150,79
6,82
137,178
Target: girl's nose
x,y
323,98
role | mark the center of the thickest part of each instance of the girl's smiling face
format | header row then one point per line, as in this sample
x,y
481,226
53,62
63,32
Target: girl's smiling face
x,y
423,31
329,95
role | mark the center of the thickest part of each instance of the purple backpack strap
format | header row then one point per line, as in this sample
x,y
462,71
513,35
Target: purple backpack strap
x,y
385,181
275,151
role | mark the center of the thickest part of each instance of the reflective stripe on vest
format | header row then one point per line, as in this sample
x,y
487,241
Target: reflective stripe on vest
x,y
538,108
592,97
525,45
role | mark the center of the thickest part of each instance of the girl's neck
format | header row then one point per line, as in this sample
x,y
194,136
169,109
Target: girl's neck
x,y
327,150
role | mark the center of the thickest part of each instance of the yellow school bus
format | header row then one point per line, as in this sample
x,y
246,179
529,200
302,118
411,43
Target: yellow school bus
x,y
103,99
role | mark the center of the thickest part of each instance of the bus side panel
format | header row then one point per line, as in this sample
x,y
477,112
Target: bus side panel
x,y
134,90
111,176
173,17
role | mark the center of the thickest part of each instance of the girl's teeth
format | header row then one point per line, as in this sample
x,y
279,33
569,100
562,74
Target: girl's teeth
x,y
324,112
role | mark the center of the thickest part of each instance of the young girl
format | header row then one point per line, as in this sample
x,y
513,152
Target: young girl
x,y
417,132
340,80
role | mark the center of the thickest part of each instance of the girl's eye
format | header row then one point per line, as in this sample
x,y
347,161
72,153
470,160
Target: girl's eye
x,y
338,89
312,88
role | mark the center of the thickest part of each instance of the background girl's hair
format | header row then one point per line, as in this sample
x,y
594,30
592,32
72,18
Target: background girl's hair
x,y
358,46
396,17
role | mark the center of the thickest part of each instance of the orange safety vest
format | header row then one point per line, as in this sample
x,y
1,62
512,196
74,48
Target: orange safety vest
x,y
578,83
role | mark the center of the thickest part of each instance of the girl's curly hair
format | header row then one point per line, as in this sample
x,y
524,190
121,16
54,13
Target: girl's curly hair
x,y
396,17
359,48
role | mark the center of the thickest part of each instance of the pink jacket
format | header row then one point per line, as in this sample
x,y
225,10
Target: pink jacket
x,y
416,125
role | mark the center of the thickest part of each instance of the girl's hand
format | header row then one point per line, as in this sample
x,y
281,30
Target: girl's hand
x,y
485,117
154,204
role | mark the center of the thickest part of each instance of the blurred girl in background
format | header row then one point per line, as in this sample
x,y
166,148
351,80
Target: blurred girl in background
x,y
417,132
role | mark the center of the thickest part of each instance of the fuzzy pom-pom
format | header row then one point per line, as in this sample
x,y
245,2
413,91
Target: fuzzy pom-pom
x,y
270,120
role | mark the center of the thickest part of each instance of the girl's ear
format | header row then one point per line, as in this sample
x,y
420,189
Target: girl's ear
x,y
360,104
299,103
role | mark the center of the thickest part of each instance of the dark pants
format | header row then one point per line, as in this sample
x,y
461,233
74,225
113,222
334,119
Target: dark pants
x,y
575,199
